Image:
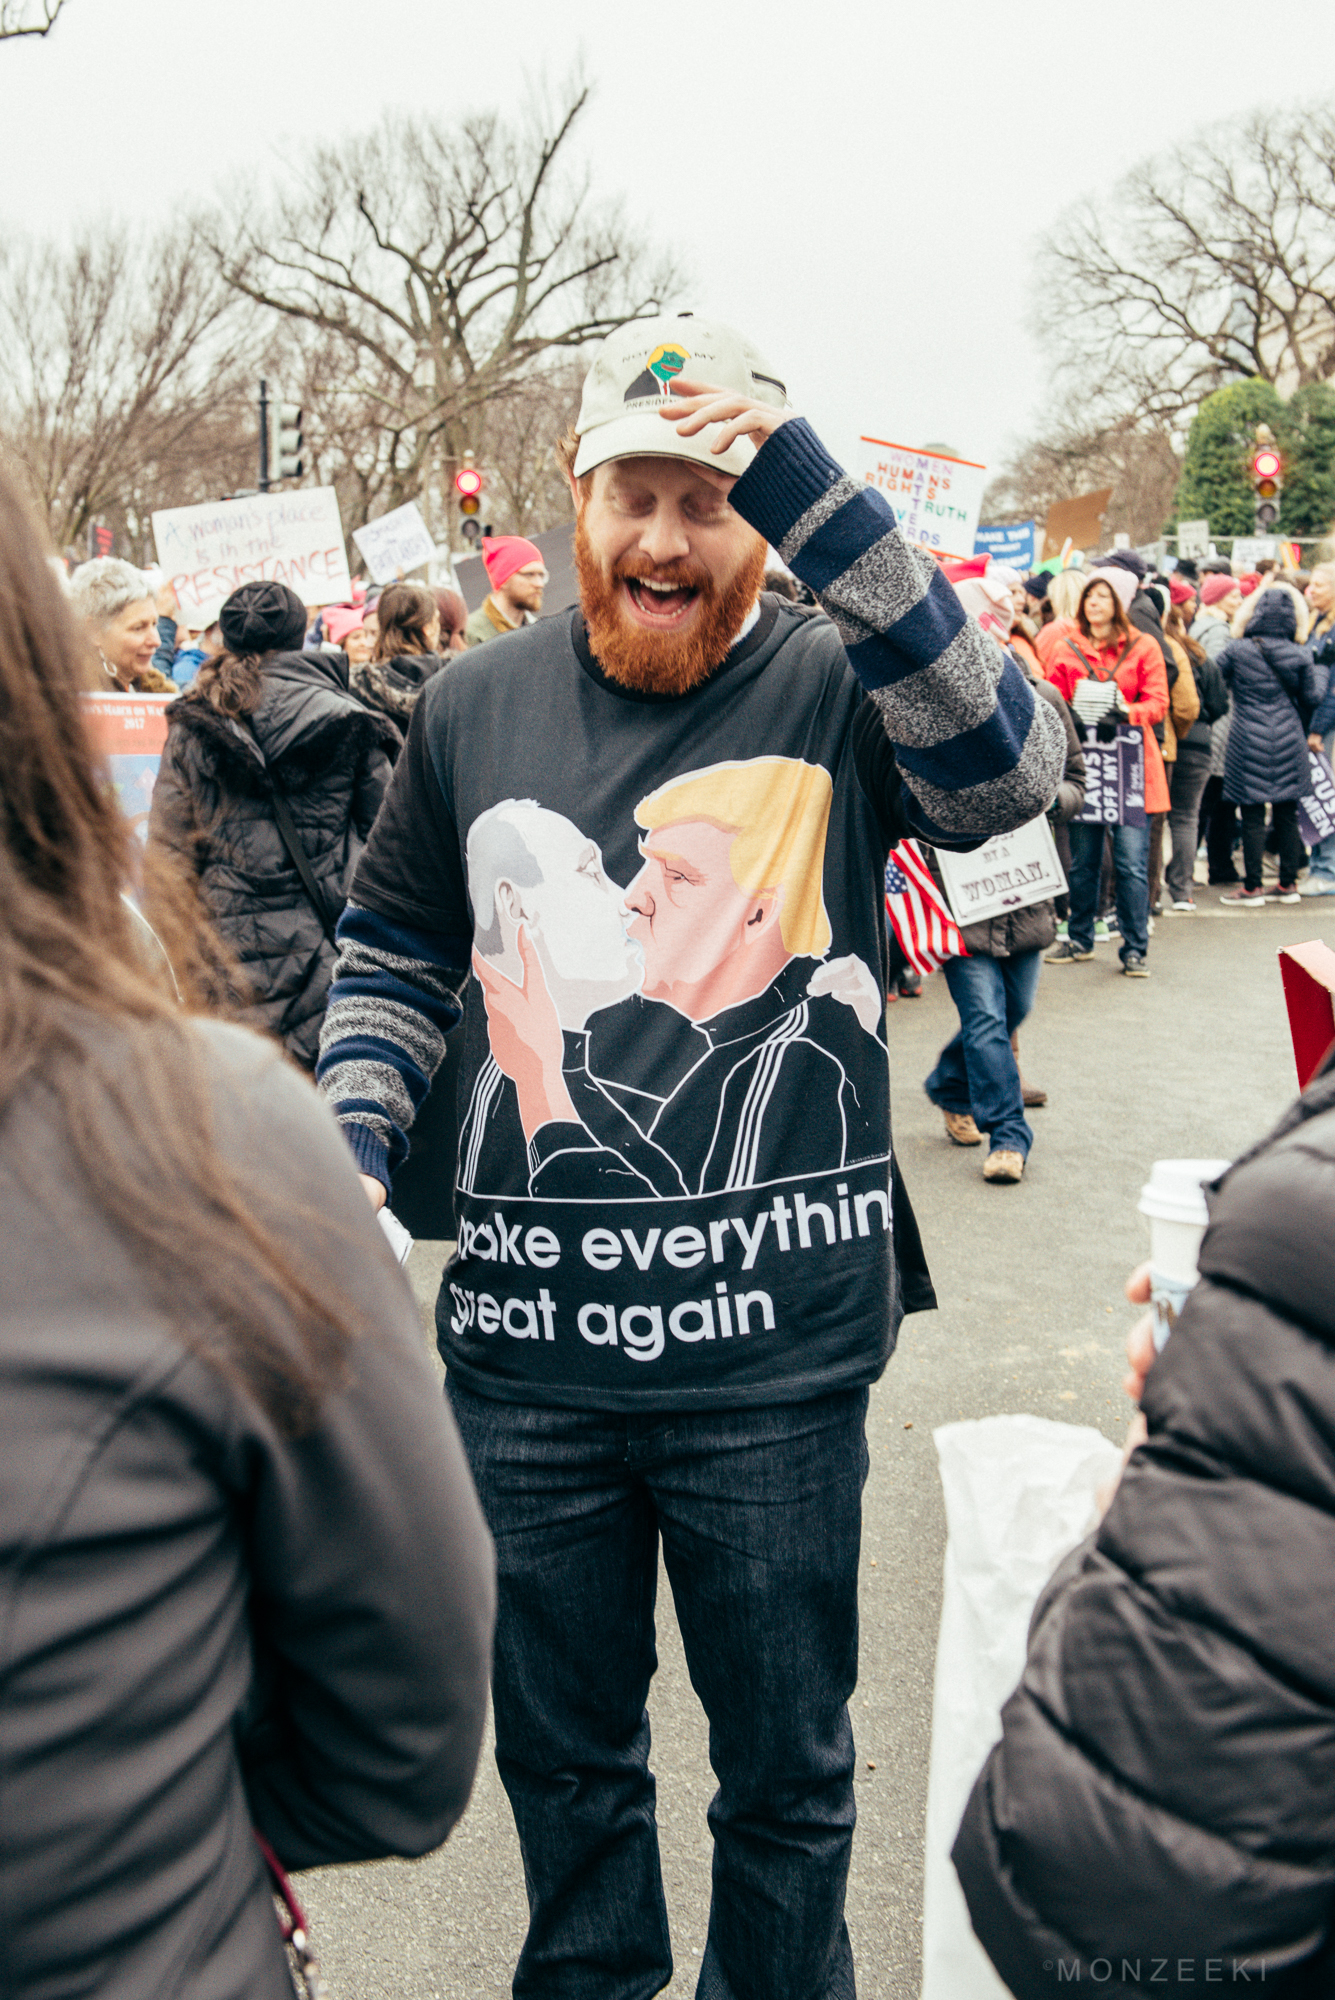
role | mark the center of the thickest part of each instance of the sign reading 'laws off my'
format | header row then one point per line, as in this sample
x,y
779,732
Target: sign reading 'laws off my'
x,y
294,538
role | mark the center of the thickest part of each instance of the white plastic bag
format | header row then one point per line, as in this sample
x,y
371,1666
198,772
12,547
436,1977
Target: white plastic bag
x,y
1020,1493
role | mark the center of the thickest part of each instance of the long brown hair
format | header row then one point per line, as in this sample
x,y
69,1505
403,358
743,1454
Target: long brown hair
x,y
1175,626
85,1018
228,682
1122,625
404,612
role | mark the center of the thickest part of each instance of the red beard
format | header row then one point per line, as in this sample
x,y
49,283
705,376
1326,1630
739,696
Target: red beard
x,y
661,662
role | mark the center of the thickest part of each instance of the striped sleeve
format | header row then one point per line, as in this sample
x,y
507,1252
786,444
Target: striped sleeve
x,y
391,1004
977,754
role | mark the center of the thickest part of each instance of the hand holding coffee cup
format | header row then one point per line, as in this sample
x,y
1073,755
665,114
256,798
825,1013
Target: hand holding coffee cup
x,y
1174,1200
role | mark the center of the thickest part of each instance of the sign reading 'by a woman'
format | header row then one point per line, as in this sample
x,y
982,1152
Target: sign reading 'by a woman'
x,y
293,538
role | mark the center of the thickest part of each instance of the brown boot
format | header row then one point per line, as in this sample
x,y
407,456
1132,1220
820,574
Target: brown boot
x,y
1033,1097
961,1129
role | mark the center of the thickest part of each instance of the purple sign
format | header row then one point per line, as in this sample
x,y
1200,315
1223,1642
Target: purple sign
x,y
1316,812
1115,781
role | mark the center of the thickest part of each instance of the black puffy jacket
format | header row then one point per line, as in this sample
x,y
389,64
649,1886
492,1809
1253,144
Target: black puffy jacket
x,y
392,687
1276,687
1164,1789
213,805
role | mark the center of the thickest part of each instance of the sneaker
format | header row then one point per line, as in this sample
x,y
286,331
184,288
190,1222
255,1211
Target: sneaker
x,y
1066,953
1317,885
1004,1166
1244,895
1156,909
1189,909
1114,927
1064,928
1101,931
1134,966
1283,895
960,1128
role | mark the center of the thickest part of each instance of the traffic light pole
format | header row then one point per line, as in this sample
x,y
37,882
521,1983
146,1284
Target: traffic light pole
x,y
264,436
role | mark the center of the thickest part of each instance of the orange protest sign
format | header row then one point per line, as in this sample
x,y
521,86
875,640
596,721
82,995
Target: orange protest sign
x,y
130,731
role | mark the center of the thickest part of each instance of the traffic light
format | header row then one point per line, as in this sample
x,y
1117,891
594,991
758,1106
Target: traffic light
x,y
468,484
1267,480
287,425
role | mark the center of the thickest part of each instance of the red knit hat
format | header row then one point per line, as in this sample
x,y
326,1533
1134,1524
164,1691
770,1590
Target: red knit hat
x,y
1181,591
1248,582
1217,586
504,554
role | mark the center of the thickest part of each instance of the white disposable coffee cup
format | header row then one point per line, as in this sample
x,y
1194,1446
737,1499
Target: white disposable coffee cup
x,y
1174,1200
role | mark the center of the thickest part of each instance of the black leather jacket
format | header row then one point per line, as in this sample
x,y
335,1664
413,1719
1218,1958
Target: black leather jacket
x,y
206,1623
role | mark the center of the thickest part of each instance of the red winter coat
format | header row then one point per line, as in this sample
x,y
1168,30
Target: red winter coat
x,y
1143,679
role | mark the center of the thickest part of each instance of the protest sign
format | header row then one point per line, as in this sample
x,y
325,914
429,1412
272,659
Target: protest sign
x,y
130,731
293,538
397,541
1005,874
1248,550
1316,811
1079,521
1115,781
1193,540
1016,544
937,500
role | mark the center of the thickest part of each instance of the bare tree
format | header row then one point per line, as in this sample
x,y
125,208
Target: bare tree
x,y
527,489
1138,459
124,369
443,264
17,19
1212,263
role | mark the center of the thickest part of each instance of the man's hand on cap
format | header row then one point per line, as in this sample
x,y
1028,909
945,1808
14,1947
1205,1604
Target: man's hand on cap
x,y
697,404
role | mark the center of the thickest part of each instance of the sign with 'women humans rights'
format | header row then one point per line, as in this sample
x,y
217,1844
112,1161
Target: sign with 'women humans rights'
x,y
937,499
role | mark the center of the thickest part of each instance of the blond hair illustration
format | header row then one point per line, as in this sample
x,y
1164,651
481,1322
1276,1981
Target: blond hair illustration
x,y
778,810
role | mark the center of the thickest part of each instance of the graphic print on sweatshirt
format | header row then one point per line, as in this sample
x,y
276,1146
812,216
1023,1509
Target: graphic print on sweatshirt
x,y
662,1041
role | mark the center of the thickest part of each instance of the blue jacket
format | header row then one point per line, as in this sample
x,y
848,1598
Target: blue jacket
x,y
1277,688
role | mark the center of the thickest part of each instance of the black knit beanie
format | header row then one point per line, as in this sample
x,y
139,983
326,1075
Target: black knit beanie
x,y
263,618
1127,559
1037,585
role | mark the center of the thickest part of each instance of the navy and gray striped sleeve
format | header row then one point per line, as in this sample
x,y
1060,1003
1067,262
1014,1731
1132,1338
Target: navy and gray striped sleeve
x,y
977,754
391,1004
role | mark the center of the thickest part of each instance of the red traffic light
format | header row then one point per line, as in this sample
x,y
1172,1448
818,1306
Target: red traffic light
x,y
1266,465
468,481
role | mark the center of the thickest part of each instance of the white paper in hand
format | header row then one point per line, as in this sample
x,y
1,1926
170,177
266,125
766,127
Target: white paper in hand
x,y
400,1242
1020,1493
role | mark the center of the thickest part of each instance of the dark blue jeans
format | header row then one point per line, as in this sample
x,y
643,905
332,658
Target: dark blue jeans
x,y
760,1517
976,1070
1131,857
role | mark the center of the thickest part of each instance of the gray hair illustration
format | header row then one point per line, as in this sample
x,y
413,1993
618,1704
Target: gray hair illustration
x,y
497,852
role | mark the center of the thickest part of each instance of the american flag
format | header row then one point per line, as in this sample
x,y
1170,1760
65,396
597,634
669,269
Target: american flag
x,y
927,933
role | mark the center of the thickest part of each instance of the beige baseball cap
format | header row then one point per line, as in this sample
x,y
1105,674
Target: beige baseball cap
x,y
631,381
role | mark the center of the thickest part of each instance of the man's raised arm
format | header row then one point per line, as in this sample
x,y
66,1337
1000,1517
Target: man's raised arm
x,y
977,754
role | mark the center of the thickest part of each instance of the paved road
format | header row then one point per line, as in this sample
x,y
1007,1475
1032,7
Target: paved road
x,y
1194,1061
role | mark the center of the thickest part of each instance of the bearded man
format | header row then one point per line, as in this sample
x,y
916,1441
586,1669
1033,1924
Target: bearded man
x,y
683,1354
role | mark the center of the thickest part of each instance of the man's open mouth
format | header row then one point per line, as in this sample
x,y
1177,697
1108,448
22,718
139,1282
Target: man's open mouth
x,y
660,605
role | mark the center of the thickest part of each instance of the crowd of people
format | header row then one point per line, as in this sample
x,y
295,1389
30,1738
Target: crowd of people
x,y
1224,685
258,1575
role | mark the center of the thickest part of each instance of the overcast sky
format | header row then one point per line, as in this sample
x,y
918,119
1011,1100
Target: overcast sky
x,y
856,183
